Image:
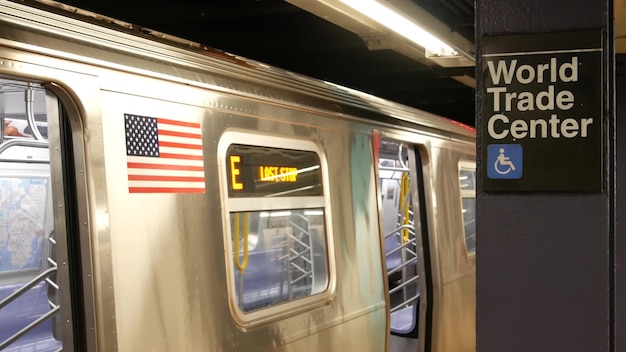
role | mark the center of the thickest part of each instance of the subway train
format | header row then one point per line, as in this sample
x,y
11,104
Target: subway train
x,y
159,195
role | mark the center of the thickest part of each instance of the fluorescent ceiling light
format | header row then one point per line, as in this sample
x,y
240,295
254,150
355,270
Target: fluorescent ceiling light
x,y
275,214
401,25
313,212
279,214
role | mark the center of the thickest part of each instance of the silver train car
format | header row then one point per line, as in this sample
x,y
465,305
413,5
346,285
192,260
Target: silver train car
x,y
158,195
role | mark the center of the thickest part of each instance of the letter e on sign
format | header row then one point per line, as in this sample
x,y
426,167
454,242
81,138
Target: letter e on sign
x,y
234,171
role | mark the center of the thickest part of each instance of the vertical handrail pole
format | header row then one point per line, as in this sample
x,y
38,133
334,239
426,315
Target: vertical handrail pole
x,y
29,98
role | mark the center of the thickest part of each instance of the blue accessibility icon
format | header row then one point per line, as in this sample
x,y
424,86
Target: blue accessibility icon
x,y
505,161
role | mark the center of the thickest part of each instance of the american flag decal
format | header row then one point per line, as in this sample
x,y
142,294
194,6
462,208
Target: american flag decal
x,y
163,156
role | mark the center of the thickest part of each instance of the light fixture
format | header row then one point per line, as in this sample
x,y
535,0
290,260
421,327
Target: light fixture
x,y
396,22
313,212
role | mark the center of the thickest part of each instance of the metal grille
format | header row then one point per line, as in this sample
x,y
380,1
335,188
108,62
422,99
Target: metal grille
x,y
48,277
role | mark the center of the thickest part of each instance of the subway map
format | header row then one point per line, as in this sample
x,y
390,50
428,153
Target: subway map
x,y
22,211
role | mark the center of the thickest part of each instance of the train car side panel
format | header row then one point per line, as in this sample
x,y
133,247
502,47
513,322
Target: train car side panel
x,y
185,300
455,303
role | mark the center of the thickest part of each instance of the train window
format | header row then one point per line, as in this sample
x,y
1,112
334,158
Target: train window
x,y
467,179
277,238
279,256
23,226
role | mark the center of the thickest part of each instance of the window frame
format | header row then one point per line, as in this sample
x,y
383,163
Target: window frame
x,y
253,204
466,166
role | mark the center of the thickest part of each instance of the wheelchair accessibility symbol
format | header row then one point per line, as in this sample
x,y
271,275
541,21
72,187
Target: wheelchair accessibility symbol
x,y
503,164
505,161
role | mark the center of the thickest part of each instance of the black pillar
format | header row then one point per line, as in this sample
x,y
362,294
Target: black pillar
x,y
545,259
620,213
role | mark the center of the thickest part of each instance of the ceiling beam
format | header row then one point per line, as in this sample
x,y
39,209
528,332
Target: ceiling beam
x,y
163,11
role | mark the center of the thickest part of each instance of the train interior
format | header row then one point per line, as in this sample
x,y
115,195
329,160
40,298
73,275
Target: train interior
x,y
399,231
285,257
28,292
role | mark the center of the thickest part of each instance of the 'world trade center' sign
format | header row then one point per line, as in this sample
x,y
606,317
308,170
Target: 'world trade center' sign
x,y
542,112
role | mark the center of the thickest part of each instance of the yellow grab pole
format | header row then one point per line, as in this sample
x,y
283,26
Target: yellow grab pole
x,y
241,266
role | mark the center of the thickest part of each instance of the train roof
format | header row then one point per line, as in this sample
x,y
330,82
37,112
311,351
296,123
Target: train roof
x,y
206,66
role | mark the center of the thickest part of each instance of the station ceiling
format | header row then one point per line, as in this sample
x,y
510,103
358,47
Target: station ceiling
x,y
281,34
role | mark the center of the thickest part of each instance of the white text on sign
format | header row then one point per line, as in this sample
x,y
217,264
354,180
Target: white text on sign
x,y
505,72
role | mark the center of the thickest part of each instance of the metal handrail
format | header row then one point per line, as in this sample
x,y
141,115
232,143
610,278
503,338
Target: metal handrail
x,y
401,266
27,328
288,258
29,97
298,228
302,270
411,222
22,143
44,274
297,250
409,226
307,247
400,157
52,283
411,252
300,255
404,284
392,168
304,275
412,299
299,241
411,241
1,130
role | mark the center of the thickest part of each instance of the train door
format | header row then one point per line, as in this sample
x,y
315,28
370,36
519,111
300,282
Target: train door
x,y
38,247
404,225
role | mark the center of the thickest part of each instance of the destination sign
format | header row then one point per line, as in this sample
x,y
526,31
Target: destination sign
x,y
542,117
278,174
255,171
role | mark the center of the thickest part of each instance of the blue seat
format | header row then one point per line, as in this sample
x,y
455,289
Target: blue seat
x,y
262,279
23,311
394,260
404,322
